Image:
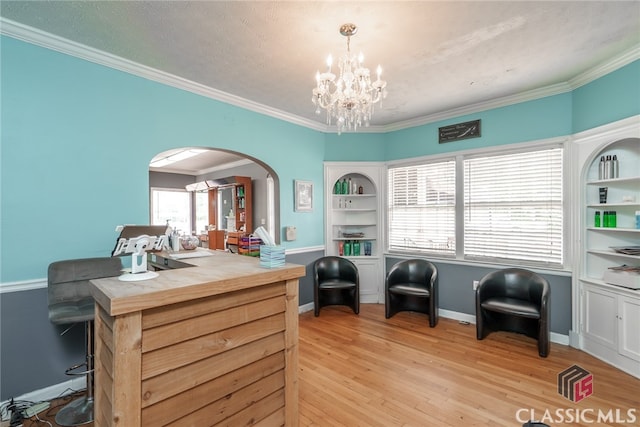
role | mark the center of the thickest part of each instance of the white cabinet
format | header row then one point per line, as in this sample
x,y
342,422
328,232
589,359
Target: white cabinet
x,y
609,315
628,334
353,221
610,325
600,318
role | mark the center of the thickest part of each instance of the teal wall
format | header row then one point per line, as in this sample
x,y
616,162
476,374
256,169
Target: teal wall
x,y
77,139
355,147
607,99
528,121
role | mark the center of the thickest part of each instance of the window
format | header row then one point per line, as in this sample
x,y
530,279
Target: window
x,y
513,207
202,211
171,205
509,207
422,208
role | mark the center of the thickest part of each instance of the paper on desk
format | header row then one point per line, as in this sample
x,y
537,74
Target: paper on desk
x,y
197,253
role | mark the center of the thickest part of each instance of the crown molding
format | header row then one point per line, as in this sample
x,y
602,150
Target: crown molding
x,y
601,70
59,44
62,45
481,106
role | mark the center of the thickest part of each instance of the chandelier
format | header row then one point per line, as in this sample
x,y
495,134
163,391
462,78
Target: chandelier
x,y
350,98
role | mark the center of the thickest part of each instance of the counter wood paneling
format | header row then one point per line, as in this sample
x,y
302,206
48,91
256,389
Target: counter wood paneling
x,y
213,344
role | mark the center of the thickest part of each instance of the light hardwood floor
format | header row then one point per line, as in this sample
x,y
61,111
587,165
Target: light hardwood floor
x,y
366,370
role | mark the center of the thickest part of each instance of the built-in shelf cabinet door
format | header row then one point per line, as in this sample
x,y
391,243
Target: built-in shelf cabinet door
x,y
629,321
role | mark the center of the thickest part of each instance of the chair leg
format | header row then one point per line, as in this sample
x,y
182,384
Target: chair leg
x,y
433,321
543,341
80,411
356,302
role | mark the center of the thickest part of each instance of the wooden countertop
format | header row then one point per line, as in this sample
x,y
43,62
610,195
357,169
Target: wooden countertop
x,y
219,273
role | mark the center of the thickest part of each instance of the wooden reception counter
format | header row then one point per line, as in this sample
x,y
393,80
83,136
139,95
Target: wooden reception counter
x,y
212,344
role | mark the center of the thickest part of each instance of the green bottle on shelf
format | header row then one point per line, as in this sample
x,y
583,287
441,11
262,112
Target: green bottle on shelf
x,y
337,187
347,248
356,248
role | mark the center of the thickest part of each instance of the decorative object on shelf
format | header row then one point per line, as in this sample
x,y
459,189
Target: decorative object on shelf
x,y
189,243
627,250
603,194
608,168
351,98
357,235
623,275
303,193
610,219
367,248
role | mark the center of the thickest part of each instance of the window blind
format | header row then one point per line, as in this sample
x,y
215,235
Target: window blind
x,y
422,208
513,207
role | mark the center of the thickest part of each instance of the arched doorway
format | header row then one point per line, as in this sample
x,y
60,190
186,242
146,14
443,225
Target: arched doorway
x,y
170,172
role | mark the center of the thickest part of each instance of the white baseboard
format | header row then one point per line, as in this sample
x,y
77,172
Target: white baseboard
x,y
304,308
461,317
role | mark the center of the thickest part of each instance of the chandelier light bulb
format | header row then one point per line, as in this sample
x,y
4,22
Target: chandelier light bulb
x,y
348,97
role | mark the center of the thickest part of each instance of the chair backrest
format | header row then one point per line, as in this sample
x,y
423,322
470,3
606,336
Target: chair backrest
x,y
68,281
515,283
412,271
334,267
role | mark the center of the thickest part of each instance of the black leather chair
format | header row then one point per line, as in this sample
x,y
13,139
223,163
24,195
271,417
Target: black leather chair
x,y
412,285
336,282
514,300
70,302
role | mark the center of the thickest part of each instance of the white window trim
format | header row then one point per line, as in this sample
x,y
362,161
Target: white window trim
x,y
562,142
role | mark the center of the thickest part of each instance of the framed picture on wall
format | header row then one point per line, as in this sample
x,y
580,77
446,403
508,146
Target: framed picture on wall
x,y
303,195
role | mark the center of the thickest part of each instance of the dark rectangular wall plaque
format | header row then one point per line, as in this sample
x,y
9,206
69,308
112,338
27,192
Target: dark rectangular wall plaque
x,y
459,131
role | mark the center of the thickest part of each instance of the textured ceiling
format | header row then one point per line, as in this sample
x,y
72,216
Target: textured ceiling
x,y
437,56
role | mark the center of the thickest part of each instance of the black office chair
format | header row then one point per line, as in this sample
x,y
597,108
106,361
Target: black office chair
x,y
514,300
70,302
336,282
412,285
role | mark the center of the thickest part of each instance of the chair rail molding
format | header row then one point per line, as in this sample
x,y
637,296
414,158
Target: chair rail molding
x,y
23,285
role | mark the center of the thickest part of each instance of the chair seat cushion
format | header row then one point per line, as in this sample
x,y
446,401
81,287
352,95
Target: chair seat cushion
x,y
336,284
513,306
72,311
413,289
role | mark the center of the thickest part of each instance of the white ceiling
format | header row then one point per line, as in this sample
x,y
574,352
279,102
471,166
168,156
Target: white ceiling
x,y
438,57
